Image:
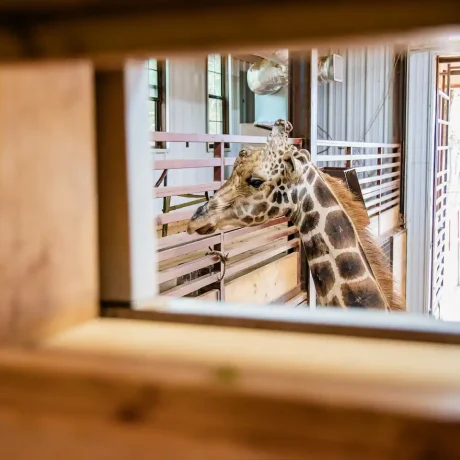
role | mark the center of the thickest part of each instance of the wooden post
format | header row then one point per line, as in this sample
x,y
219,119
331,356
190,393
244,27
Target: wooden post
x,y
48,252
303,113
219,176
126,219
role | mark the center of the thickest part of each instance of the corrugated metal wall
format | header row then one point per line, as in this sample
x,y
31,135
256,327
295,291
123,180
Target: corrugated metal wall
x,y
345,110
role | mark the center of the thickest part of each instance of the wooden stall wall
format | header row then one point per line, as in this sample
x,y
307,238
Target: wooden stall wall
x,y
48,238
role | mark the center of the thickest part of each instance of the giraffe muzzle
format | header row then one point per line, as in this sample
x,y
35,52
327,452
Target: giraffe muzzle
x,y
200,222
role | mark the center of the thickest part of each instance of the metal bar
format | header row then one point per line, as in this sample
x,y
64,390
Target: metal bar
x,y
372,156
181,189
367,180
384,186
366,145
381,199
383,207
182,164
186,248
191,286
377,167
380,191
184,269
211,138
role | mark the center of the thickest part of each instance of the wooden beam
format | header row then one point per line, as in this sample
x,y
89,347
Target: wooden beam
x,y
48,227
111,32
126,239
269,404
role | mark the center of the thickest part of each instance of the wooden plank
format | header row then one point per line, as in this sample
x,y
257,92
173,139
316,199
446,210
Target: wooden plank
x,y
212,295
261,241
120,405
126,239
260,256
191,286
185,268
175,190
48,223
186,163
175,216
97,30
188,247
254,288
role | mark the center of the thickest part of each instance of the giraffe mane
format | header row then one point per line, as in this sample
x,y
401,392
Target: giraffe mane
x,y
375,256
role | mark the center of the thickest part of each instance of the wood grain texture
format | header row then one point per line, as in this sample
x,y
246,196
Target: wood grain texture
x,y
120,385
265,284
110,32
48,243
126,236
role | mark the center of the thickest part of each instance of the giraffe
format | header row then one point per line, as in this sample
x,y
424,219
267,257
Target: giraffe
x,y
277,180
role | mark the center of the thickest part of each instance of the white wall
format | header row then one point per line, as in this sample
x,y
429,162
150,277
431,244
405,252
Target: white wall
x,y
186,101
186,113
271,107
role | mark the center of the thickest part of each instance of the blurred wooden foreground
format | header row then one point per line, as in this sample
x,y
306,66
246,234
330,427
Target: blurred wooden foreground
x,y
71,143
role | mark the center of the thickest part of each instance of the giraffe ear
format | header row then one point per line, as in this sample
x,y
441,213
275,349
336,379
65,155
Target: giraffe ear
x,y
293,166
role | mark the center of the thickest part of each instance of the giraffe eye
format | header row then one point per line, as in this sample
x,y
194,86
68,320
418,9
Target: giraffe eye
x,y
256,183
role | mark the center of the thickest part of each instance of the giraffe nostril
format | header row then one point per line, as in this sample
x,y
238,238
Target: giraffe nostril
x,y
201,211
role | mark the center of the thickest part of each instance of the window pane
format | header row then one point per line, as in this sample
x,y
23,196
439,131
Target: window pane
x,y
153,64
219,128
217,84
152,115
211,87
211,62
218,110
217,63
212,127
212,108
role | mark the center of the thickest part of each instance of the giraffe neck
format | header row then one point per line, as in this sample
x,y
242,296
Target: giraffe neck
x,y
338,264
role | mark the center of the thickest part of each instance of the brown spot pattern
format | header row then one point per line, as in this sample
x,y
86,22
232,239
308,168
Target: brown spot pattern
x,y
340,230
334,302
350,265
324,196
323,276
316,247
307,204
259,208
248,220
362,294
311,176
274,210
310,222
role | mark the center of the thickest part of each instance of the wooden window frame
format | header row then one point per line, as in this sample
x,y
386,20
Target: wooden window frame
x,y
160,101
223,98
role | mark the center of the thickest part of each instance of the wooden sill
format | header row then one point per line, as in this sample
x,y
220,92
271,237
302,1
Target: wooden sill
x,y
130,388
402,376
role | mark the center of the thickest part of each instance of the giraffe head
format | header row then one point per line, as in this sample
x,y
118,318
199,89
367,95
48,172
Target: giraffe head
x,y
263,186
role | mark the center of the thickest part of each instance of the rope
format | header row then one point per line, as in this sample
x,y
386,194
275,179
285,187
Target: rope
x,y
222,257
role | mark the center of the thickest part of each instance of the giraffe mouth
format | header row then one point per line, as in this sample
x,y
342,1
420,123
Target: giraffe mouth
x,y
206,229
